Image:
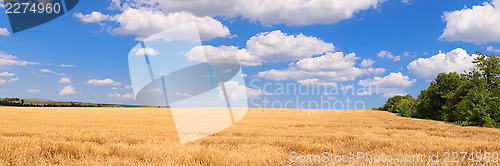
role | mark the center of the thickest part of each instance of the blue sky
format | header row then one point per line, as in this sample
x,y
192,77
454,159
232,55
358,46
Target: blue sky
x,y
398,46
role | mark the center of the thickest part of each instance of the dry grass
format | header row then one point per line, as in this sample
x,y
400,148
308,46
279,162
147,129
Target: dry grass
x,y
97,136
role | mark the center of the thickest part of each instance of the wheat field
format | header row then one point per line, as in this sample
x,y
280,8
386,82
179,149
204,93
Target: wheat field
x,y
147,136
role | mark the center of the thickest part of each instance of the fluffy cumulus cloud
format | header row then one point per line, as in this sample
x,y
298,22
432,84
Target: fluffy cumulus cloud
x,y
144,22
144,18
4,32
145,51
322,68
456,60
7,74
101,82
393,84
267,12
64,80
388,54
274,46
201,53
2,81
492,49
278,46
118,96
11,60
67,90
316,82
367,63
47,71
94,17
236,91
13,79
479,24
329,62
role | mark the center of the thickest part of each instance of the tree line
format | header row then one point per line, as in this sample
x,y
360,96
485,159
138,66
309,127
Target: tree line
x,y
17,102
471,98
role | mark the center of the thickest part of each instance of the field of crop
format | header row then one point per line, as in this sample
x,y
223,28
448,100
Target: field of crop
x,y
138,136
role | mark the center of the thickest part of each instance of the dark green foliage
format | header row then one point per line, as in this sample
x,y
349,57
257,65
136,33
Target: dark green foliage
x,y
16,102
471,98
401,105
435,101
478,107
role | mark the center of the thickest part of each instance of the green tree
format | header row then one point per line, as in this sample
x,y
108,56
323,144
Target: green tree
x,y
401,105
434,101
478,107
488,68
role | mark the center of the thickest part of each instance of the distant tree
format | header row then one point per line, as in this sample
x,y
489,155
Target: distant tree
x,y
401,105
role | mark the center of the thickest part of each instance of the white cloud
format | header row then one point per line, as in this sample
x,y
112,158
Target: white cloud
x,y
242,56
67,65
114,95
94,17
367,63
393,84
329,62
184,95
316,83
34,90
364,93
67,90
236,91
118,96
128,87
278,46
388,54
492,49
2,81
148,51
324,73
100,82
13,79
11,60
128,96
6,56
4,32
272,46
396,80
47,71
115,4
144,23
6,74
346,87
456,60
268,12
479,24
64,80
408,2
114,88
